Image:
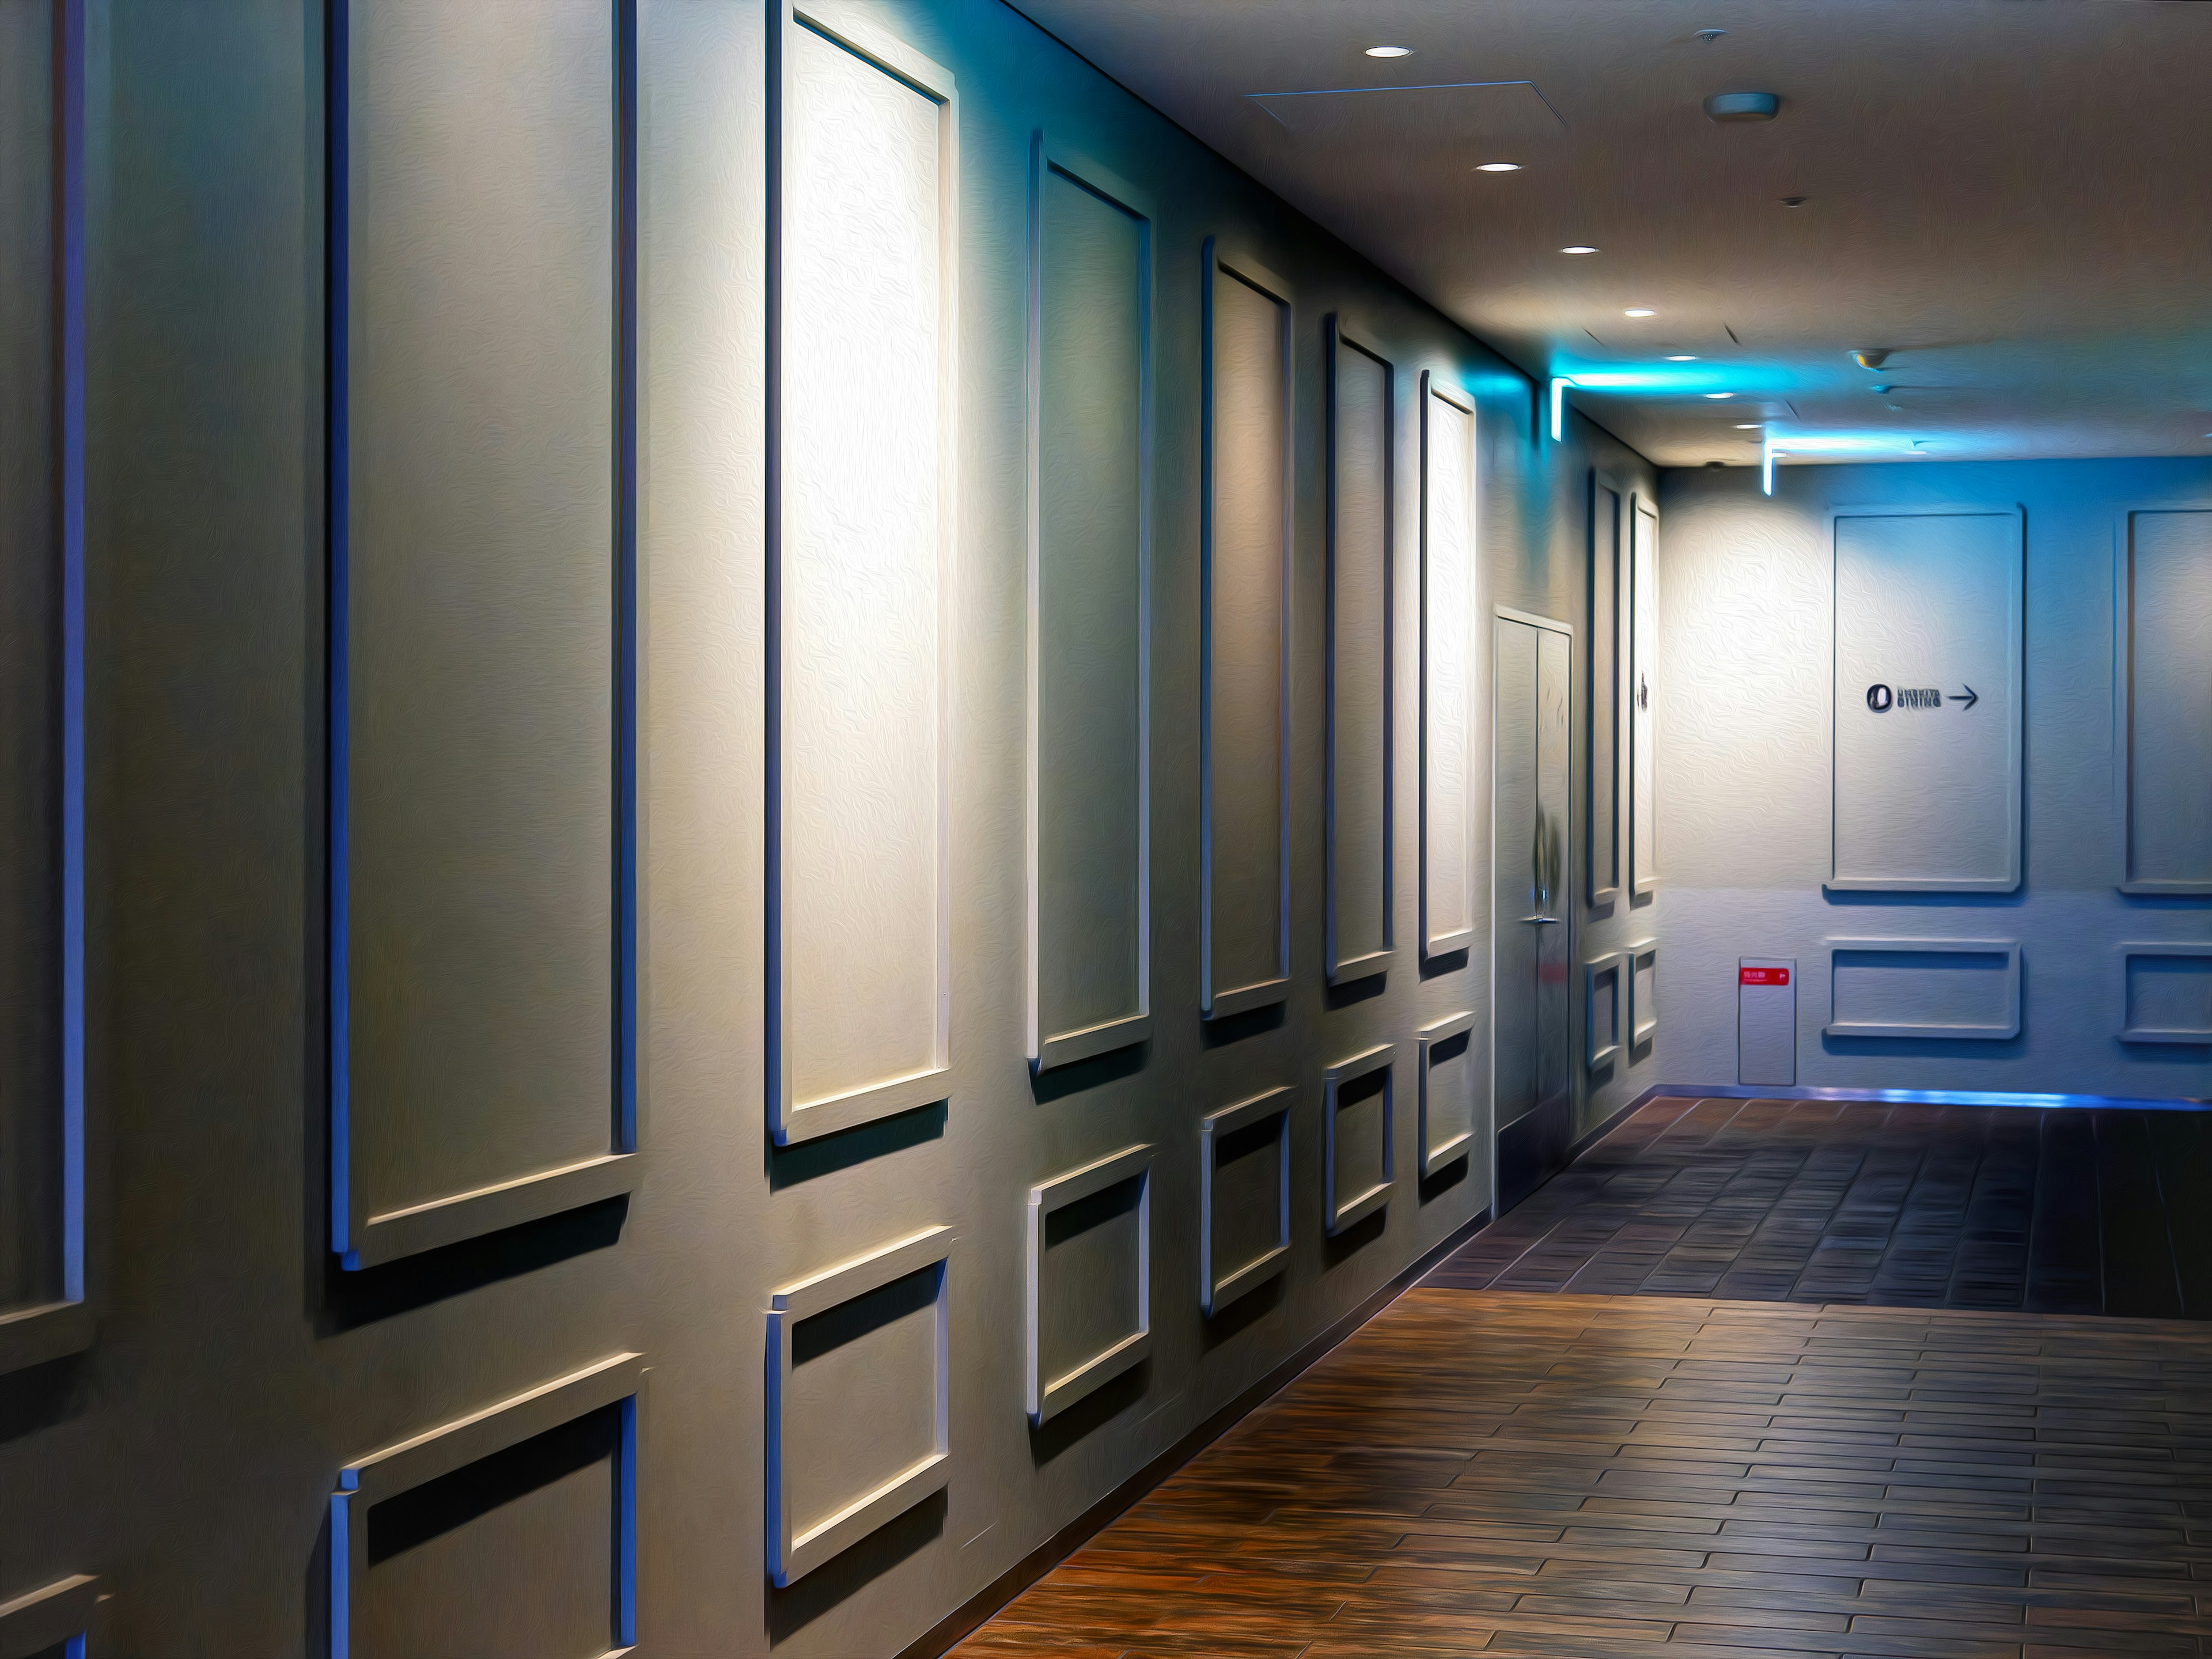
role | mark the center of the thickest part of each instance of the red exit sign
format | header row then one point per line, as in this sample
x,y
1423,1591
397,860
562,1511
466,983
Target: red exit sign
x,y
1762,976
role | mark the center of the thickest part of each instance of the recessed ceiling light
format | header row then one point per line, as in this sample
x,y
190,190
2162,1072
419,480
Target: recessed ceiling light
x,y
1747,426
1718,396
1683,358
1500,167
1579,248
1639,310
1390,52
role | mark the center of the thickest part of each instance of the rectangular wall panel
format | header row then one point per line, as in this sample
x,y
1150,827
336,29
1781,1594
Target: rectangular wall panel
x,y
1359,1107
1450,668
1090,291
1643,670
1924,988
1927,710
1246,508
2166,657
481,579
1608,658
1244,1197
2166,993
43,1311
1642,988
1450,1082
858,1399
1604,1010
1089,1279
1362,422
507,1533
863,269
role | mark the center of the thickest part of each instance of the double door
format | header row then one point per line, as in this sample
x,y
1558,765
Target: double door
x,y
1531,916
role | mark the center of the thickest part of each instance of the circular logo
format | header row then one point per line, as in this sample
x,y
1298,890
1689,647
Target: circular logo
x,y
1878,699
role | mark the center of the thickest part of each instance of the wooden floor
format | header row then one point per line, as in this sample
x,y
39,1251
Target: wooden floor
x,y
1962,1206
1502,1473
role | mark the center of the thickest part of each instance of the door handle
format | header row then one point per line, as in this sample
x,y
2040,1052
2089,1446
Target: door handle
x,y
1547,922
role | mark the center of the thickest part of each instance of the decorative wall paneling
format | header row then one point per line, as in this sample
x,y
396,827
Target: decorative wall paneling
x,y
1450,1110
1357,1160
2165,992
862,461
408,1465
862,1401
2164,608
1929,609
482,340
1450,668
44,1308
1643,670
1090,614
1248,495
1363,419
1641,986
1225,1272
1608,710
1932,989
1053,1386
1605,1006
46,1620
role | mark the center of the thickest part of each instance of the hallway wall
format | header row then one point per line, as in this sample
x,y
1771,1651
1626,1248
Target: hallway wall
x,y
188,1456
1747,615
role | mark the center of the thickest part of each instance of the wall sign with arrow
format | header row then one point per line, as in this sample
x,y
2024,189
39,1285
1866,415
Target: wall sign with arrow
x,y
1881,698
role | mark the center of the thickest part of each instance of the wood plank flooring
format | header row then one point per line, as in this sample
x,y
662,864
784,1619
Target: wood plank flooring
x,y
1482,1471
1966,1206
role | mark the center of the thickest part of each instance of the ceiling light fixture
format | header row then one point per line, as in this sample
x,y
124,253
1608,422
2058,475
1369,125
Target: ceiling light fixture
x,y
1639,310
1742,106
1683,358
1390,52
1718,396
1579,248
1499,166
1747,426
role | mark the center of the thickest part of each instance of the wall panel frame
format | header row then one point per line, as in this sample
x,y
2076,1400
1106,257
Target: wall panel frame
x,y
793,1552
1643,1016
2005,953
1643,813
1048,1395
1090,690
1606,997
2162,606
1247,502
368,1227
861,564
2134,1026
1880,820
1383,1058
1361,785
1450,669
58,1316
1608,706
1220,1285
56,1616
412,1462
1440,1150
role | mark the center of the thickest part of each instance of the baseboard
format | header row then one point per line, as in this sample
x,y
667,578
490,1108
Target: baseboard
x,y
1621,1115
1907,1097
957,1626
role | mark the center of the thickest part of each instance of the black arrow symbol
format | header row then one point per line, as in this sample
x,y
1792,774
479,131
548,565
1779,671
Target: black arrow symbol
x,y
1972,697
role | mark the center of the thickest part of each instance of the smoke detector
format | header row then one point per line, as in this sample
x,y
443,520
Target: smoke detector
x,y
1742,106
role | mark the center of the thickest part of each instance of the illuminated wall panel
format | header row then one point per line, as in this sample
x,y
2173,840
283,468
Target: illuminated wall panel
x,y
2166,616
42,1180
863,304
1450,669
1090,549
1244,675
1362,422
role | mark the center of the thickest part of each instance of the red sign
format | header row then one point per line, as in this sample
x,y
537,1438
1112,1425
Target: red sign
x,y
1762,976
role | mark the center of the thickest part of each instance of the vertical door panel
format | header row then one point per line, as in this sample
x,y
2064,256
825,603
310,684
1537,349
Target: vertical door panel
x,y
1517,802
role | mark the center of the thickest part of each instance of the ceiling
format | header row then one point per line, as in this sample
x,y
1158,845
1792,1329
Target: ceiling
x,y
2013,197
